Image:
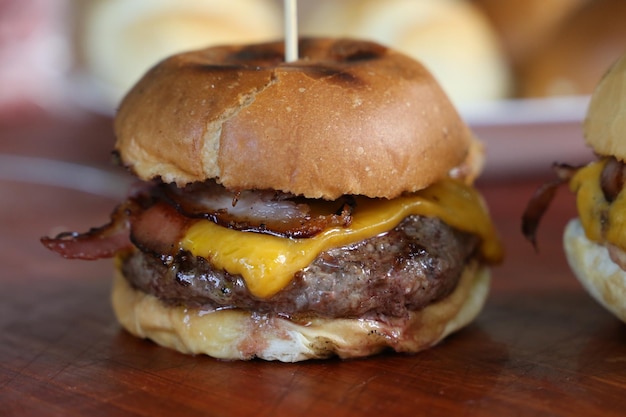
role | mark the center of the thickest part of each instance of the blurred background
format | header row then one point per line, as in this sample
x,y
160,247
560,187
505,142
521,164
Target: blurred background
x,y
516,69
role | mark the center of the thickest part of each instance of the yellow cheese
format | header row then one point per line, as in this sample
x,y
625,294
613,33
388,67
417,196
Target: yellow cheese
x,y
601,220
268,263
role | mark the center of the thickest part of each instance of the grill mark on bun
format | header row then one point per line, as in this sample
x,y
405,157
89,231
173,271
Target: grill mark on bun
x,y
250,55
336,75
227,69
353,51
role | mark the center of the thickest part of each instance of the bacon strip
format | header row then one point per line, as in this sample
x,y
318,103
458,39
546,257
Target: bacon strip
x,y
97,243
541,199
158,229
155,218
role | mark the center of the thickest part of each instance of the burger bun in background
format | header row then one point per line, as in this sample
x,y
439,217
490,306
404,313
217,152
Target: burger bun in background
x,y
116,41
524,25
453,39
575,55
603,279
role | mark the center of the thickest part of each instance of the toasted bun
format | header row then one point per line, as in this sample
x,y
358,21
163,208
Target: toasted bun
x,y
605,124
574,58
592,265
237,334
349,117
452,38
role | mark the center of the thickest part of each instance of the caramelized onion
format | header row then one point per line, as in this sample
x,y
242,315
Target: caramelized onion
x,y
268,212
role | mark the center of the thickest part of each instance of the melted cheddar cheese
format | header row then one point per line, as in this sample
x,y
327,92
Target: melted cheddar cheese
x,y
602,221
268,263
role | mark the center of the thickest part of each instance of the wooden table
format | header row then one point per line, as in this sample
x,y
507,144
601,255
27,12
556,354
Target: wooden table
x,y
541,347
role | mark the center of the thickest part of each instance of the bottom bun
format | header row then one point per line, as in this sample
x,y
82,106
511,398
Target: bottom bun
x,y
238,334
592,265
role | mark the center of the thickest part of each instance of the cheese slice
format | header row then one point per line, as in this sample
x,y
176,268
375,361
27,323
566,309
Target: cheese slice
x,y
602,221
268,263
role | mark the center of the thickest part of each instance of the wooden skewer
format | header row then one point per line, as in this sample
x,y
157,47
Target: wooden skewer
x,y
291,30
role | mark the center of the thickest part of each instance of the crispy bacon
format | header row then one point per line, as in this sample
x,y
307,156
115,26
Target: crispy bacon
x,y
99,242
612,181
158,229
541,199
155,217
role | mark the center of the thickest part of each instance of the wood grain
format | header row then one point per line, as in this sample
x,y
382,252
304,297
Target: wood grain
x,y
541,347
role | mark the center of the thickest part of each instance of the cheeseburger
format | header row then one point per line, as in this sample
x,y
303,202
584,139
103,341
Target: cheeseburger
x,y
294,210
595,242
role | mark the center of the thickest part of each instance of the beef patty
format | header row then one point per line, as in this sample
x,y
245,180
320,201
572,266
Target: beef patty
x,y
418,262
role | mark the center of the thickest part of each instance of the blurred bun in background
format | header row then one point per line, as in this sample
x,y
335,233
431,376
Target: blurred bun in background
x,y
486,54
574,58
453,38
118,40
524,25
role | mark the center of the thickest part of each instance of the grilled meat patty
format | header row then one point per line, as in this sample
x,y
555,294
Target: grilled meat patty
x,y
407,268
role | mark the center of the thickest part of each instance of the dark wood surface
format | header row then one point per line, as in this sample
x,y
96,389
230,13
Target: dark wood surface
x,y
541,347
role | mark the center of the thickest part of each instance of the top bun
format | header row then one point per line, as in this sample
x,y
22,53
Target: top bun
x,y
349,117
605,124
